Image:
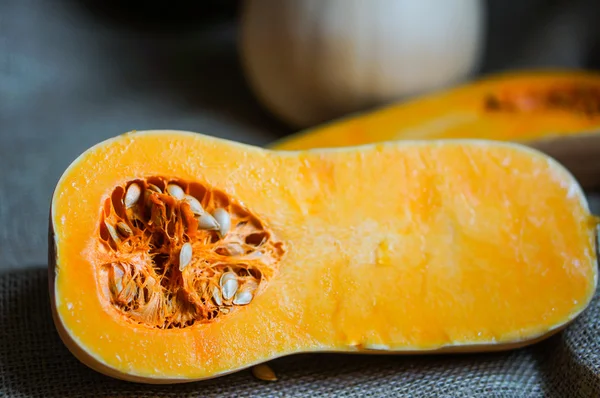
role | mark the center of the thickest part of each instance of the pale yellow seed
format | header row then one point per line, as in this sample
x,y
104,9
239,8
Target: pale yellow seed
x,y
234,249
229,285
242,297
154,188
229,289
255,254
195,205
224,310
185,255
117,280
224,220
207,222
132,195
229,275
112,232
250,286
217,296
264,372
175,191
124,229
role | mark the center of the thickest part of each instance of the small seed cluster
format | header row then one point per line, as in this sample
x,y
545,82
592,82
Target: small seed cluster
x,y
575,98
177,253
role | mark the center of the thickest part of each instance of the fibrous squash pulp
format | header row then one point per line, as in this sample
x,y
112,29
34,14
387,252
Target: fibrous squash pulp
x,y
176,256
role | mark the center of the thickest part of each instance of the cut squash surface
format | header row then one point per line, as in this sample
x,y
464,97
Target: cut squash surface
x,y
520,106
177,256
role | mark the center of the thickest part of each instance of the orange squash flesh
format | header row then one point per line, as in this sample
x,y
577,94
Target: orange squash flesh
x,y
405,247
517,106
557,112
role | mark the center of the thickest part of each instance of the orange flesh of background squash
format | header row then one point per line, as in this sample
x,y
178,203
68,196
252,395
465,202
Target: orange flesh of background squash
x,y
518,106
397,247
557,112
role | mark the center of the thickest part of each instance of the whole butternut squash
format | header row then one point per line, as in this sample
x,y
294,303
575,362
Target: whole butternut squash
x,y
308,61
556,111
177,257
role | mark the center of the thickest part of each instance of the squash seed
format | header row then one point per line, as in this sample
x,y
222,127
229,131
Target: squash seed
x,y
175,191
227,276
207,222
195,205
224,220
224,310
185,255
124,229
132,195
242,297
116,277
264,372
154,188
217,296
112,232
255,254
234,249
250,286
229,285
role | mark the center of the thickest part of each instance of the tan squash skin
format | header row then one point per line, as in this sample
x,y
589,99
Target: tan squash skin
x,y
344,285
569,133
579,153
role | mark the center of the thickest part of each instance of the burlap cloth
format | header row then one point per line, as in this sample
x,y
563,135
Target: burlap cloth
x,y
35,363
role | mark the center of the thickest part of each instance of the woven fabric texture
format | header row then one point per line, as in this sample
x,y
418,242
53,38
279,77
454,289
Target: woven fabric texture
x,y
35,363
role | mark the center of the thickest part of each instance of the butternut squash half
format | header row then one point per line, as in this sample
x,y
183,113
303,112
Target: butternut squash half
x,y
176,256
555,111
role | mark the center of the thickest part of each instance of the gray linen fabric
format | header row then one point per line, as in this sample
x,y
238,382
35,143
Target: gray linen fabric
x,y
35,363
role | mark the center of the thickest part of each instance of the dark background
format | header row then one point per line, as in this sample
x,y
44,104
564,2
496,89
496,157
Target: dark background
x,y
75,72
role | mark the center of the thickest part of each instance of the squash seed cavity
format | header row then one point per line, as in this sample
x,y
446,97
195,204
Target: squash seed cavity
x,y
178,253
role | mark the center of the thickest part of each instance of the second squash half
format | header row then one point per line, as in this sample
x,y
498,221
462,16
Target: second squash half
x,y
557,112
